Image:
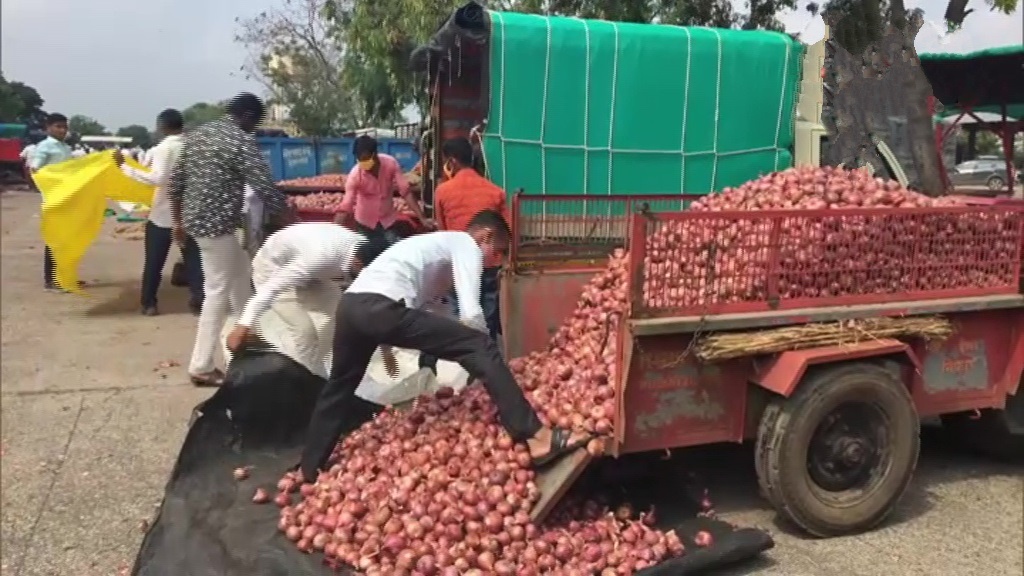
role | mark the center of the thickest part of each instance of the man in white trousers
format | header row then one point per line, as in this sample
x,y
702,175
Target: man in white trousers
x,y
207,193
298,272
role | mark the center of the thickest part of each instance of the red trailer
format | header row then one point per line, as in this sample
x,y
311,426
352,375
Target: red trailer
x,y
836,427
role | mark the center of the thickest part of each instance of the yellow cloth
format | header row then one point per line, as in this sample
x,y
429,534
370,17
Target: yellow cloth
x,y
75,194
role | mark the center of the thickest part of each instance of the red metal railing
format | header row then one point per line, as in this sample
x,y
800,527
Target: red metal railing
x,y
702,263
563,228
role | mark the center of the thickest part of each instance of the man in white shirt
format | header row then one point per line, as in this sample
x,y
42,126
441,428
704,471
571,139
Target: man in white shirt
x,y
26,155
158,239
27,152
296,272
384,307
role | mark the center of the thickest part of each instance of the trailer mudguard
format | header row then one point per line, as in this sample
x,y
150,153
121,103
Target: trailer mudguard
x,y
786,369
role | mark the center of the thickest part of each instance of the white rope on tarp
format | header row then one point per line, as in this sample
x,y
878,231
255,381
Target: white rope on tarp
x,y
782,99
586,147
496,18
586,111
544,125
686,108
718,98
611,115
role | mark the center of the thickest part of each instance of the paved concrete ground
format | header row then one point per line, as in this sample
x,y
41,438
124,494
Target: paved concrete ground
x,y
91,425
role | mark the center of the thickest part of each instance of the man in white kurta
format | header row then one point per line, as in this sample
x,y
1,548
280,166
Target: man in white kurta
x,y
297,274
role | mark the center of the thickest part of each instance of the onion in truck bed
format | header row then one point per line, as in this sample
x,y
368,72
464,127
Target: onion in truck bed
x,y
570,382
328,181
693,263
317,201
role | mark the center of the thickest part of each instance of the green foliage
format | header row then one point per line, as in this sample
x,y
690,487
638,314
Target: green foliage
x,y
202,112
140,135
380,35
298,59
1004,6
86,126
20,103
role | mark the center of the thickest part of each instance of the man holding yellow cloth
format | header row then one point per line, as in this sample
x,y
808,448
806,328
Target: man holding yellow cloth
x,y
52,150
158,239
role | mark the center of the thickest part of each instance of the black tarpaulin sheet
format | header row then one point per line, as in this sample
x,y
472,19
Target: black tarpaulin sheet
x,y
208,526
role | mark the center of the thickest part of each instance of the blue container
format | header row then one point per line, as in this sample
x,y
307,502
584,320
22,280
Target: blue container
x,y
403,151
303,157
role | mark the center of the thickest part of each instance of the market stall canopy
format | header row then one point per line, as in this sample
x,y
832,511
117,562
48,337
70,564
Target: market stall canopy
x,y
981,81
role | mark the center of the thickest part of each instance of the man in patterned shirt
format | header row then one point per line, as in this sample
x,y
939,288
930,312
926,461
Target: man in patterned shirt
x,y
218,159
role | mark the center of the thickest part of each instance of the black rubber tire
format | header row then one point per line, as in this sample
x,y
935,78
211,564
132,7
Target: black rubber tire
x,y
788,425
996,184
998,434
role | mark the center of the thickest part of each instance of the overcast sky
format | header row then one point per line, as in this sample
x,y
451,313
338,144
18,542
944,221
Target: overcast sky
x,y
122,62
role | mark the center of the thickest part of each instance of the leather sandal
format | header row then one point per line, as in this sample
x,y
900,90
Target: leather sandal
x,y
560,447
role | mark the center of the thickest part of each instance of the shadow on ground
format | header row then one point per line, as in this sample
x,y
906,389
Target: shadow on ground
x,y
727,473
122,298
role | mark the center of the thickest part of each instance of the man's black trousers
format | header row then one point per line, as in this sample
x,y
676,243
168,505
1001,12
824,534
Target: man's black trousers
x,y
158,244
365,321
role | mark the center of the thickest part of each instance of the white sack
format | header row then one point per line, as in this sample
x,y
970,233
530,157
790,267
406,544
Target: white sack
x,y
377,385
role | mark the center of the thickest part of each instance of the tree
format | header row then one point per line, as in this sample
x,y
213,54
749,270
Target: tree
x,y
20,103
380,35
202,112
872,75
86,126
140,135
295,56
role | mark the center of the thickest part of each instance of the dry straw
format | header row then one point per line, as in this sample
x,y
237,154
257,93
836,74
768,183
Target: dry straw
x,y
726,345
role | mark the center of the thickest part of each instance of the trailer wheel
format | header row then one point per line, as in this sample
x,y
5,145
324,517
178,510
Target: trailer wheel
x,y
998,434
836,456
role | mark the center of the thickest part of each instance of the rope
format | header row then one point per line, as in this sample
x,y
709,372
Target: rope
x,y
496,16
544,124
611,114
686,108
718,97
624,150
782,95
586,113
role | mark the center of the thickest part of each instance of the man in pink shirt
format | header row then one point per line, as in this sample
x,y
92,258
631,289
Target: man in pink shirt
x,y
368,191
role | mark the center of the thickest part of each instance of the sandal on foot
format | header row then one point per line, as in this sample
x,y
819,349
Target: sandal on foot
x,y
209,380
560,446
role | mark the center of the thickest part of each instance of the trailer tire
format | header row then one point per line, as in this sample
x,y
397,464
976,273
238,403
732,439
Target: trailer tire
x,y
836,456
998,434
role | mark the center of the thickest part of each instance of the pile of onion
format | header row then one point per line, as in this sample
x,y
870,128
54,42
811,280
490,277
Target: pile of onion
x,y
442,490
727,260
571,384
327,181
317,201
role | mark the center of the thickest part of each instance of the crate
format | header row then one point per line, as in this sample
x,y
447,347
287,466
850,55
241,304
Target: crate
x,y
550,229
737,262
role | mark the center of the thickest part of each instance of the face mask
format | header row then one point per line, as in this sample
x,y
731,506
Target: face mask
x,y
366,164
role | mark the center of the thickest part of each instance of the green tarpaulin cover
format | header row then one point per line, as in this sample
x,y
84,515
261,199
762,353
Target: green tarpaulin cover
x,y
616,108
